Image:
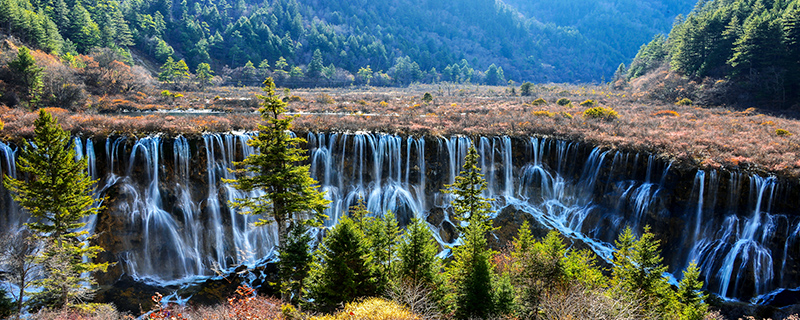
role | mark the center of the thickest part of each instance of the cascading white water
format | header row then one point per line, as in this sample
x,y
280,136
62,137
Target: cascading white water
x,y
179,224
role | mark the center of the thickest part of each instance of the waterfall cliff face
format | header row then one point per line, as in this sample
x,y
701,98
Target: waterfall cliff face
x,y
168,216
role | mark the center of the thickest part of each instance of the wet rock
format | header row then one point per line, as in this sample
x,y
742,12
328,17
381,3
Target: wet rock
x,y
447,231
509,219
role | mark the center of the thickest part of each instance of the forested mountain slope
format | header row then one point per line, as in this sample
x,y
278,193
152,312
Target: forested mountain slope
x,y
624,25
401,41
734,52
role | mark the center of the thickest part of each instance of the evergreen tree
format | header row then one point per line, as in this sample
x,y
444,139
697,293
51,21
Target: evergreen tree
x,y
649,57
692,299
181,70
494,75
250,73
290,194
316,65
295,262
29,74
791,31
123,36
204,74
637,271
760,46
471,271
167,73
381,236
58,195
417,252
526,89
341,272
83,30
365,75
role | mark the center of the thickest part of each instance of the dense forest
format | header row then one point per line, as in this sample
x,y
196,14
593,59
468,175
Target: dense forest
x,y
732,52
477,41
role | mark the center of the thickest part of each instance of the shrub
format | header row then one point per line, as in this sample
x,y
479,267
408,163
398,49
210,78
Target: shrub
x,y
526,89
539,102
563,102
668,113
684,102
427,97
325,98
372,309
383,104
604,113
782,132
543,113
566,115
589,103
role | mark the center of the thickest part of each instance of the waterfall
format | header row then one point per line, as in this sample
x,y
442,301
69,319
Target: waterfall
x,y
170,202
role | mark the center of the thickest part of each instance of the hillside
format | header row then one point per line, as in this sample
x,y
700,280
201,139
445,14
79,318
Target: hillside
x,y
399,42
729,52
622,25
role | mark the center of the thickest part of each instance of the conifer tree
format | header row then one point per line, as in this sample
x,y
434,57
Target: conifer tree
x,y
58,194
381,235
638,270
316,65
471,271
167,73
692,299
290,194
29,74
417,253
295,261
83,30
204,74
341,272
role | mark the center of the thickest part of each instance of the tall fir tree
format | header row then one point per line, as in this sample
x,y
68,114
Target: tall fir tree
x,y
29,74
82,29
316,65
341,272
692,299
290,194
58,194
471,271
295,262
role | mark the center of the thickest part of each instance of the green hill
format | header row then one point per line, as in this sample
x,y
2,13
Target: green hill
x,y
401,41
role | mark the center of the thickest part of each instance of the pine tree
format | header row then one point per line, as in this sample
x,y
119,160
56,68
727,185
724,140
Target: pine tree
x,y
29,74
58,195
417,253
290,194
123,36
760,46
295,262
167,73
249,71
381,236
693,305
341,272
316,65
83,30
204,74
471,271
181,70
637,271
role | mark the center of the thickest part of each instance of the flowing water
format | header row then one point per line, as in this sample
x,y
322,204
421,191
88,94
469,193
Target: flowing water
x,y
170,217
